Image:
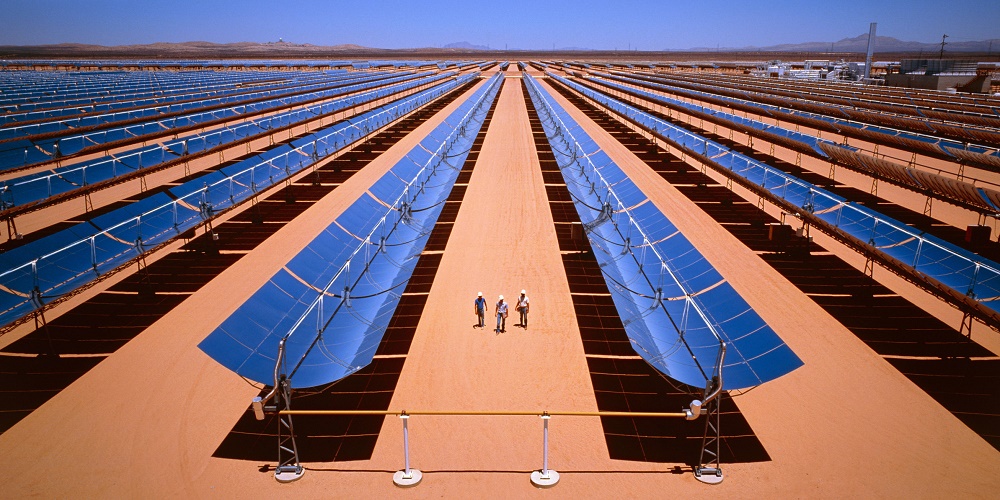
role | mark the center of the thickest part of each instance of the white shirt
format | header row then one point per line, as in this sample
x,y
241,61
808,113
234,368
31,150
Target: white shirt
x,y
522,302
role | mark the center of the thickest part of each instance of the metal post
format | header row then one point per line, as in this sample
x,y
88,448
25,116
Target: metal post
x,y
407,477
545,446
545,478
406,446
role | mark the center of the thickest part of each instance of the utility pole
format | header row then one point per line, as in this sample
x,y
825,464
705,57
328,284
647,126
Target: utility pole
x,y
943,43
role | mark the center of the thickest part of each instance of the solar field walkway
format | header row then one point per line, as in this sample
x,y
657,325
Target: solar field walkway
x,y
326,258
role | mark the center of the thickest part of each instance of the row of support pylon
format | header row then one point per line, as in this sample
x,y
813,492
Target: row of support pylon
x,y
708,470
409,476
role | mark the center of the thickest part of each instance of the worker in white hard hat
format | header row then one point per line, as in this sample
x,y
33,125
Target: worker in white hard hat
x,y
481,309
501,316
522,308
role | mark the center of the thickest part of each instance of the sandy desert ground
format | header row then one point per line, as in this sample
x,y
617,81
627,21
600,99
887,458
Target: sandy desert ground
x,y
147,420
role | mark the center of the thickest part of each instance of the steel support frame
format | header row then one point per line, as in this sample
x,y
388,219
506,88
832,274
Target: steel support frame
x,y
12,233
966,327
709,468
289,468
989,318
145,283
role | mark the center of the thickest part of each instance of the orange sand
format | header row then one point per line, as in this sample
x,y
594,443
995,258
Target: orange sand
x,y
148,419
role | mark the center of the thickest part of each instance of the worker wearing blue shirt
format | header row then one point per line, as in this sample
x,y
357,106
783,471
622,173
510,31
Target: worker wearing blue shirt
x,y
481,309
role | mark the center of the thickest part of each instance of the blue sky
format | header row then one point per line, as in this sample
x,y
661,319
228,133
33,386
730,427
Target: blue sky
x,y
524,24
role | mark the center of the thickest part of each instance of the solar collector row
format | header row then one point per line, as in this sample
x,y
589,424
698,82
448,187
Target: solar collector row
x,y
91,121
19,85
987,200
746,123
917,126
91,249
937,147
675,306
872,98
41,186
42,87
330,304
166,99
955,271
170,64
982,198
22,153
27,94
163,103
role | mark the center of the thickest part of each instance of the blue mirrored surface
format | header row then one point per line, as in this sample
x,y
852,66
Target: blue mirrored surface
x,y
677,309
335,298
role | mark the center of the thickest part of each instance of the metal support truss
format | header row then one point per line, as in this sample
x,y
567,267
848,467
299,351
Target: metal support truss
x,y
289,469
869,264
709,468
145,284
12,233
43,325
966,327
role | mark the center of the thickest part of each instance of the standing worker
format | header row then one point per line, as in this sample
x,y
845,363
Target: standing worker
x,y
481,309
501,316
522,308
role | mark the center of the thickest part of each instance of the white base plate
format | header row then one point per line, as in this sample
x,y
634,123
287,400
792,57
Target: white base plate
x,y
407,482
287,477
544,482
709,478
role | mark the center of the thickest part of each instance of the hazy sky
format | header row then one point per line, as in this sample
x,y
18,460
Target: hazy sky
x,y
525,24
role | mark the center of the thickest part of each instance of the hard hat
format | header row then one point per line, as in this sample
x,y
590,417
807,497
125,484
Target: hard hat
x,y
522,292
480,294
501,297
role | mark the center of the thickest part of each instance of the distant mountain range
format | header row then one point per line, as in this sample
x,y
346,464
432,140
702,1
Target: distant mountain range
x,y
471,46
855,44
465,46
182,49
284,49
201,49
860,44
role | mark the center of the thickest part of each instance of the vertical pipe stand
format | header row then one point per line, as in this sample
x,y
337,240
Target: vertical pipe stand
x,y
407,477
545,478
